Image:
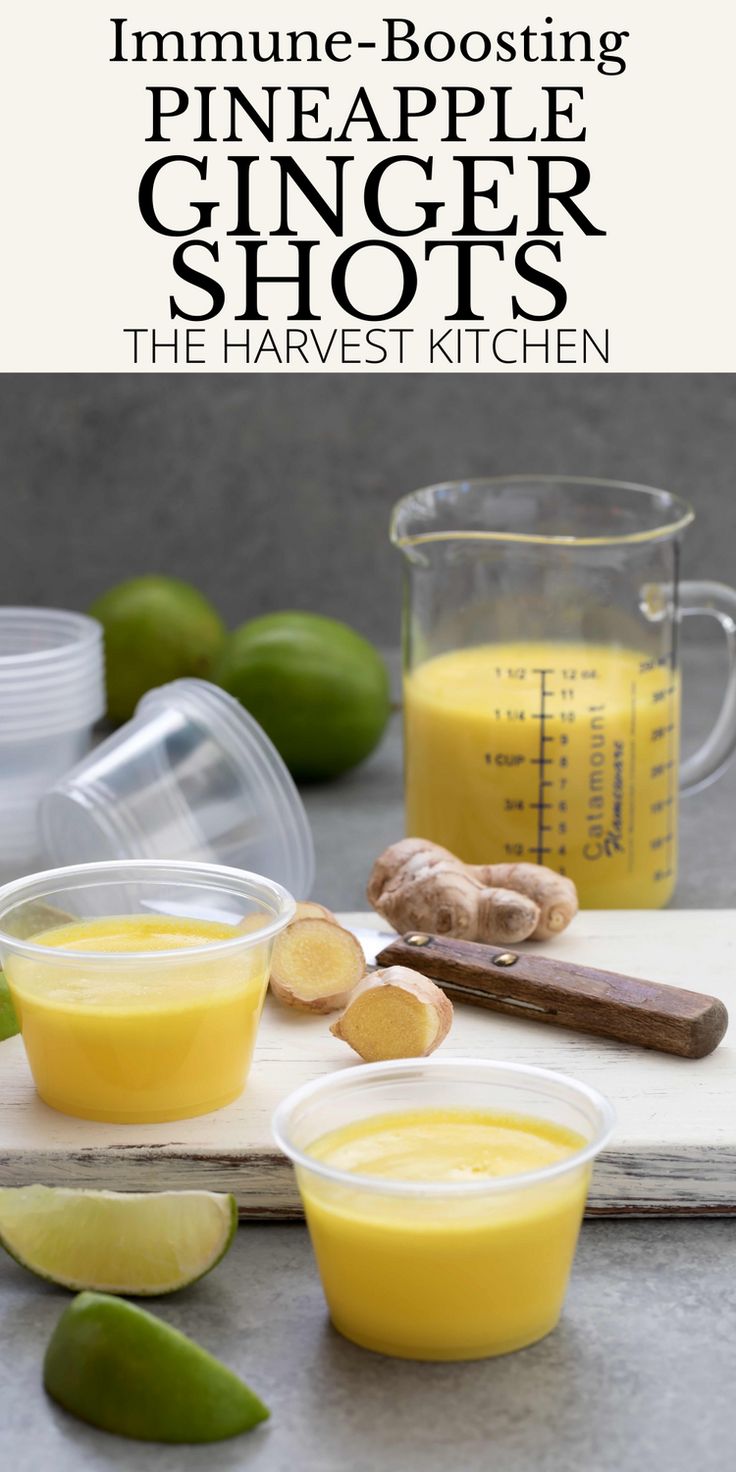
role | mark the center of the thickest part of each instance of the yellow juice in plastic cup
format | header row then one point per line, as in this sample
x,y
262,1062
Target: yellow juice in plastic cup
x,y
144,1017
443,1233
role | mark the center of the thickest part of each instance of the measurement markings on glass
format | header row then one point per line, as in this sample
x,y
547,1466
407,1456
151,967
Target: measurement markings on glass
x,y
542,761
664,771
672,754
632,777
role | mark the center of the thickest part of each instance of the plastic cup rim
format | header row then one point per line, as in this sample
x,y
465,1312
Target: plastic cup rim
x,y
79,658
495,1186
79,693
51,723
106,869
78,671
72,677
70,720
37,699
21,700
37,680
90,635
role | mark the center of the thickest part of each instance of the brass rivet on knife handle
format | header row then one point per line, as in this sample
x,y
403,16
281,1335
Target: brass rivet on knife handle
x,y
605,1003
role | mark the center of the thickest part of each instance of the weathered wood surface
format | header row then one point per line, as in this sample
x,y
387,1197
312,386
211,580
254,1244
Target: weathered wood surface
x,y
673,1153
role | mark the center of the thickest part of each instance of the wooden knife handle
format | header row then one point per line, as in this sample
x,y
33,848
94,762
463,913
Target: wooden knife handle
x,y
544,989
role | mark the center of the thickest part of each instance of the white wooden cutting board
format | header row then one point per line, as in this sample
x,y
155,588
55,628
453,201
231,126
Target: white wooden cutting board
x,y
673,1152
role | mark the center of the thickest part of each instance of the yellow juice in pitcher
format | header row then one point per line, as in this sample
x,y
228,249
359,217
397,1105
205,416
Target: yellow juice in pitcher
x,y
437,1276
156,1034
559,754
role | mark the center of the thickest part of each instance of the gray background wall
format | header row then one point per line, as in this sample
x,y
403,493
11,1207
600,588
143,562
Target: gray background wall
x,y
275,491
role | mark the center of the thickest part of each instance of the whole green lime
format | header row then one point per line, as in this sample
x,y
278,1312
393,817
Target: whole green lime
x,y
156,629
319,690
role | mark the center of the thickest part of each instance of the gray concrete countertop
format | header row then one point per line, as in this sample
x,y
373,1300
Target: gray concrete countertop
x,y
640,1373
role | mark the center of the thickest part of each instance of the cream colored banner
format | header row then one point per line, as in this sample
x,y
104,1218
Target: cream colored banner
x,y
475,187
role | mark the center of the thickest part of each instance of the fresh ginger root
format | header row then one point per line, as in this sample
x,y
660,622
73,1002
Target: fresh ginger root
x,y
316,965
417,885
554,894
396,1013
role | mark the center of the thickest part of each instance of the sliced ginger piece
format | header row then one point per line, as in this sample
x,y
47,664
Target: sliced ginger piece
x,y
305,910
310,910
316,965
396,1013
254,922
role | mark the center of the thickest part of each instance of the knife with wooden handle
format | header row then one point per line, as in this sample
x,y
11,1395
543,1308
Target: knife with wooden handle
x,y
544,989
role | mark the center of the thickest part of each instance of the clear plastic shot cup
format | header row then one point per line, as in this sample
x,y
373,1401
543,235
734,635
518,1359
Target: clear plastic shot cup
x,y
191,776
52,691
463,1267
139,985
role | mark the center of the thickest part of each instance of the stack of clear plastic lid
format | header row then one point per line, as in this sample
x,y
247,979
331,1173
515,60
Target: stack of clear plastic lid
x,y
191,776
52,691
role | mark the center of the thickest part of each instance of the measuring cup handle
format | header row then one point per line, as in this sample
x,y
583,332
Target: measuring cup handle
x,y
707,763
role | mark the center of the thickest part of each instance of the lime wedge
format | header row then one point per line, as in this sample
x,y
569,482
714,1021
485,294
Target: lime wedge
x,y
8,1020
35,917
114,1241
119,1368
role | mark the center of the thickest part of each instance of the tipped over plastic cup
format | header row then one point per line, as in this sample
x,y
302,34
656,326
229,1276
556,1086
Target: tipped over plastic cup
x,y
191,776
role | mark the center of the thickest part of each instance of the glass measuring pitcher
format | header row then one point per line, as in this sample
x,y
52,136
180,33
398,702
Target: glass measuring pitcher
x,y
541,678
